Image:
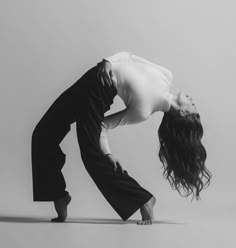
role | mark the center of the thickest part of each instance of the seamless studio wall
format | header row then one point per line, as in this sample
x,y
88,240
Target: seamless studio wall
x,y
47,45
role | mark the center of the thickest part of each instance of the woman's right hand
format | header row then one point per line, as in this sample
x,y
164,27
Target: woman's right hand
x,y
115,163
104,73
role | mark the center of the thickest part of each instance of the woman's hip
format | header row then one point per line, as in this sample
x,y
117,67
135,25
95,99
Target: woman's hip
x,y
86,96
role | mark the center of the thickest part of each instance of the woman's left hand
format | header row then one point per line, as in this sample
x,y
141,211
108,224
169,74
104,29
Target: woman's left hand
x,y
115,163
104,73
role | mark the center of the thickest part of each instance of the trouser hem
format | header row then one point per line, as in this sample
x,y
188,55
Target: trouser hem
x,y
132,211
50,198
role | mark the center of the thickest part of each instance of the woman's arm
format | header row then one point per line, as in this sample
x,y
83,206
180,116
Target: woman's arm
x,y
110,122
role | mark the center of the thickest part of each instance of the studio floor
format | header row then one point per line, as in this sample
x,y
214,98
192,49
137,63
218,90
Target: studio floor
x,y
38,232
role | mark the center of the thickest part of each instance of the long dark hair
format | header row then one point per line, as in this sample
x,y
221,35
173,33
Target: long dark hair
x,y
182,152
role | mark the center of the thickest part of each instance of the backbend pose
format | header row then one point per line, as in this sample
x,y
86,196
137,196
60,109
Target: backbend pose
x,y
144,88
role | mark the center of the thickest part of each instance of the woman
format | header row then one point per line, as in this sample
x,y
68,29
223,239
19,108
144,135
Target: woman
x,y
144,88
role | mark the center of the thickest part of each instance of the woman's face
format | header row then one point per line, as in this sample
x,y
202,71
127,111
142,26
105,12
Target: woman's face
x,y
186,103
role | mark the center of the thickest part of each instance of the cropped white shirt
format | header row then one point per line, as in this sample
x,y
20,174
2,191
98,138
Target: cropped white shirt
x,y
143,87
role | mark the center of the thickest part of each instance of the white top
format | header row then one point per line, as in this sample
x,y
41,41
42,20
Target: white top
x,y
144,88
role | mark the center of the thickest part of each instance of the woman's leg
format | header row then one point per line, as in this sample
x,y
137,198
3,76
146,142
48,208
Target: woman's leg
x,y
123,193
47,157
47,161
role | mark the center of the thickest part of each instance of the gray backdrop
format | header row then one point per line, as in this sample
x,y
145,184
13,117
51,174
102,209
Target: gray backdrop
x,y
47,45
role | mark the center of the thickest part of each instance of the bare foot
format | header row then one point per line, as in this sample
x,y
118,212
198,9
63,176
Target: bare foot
x,y
61,208
147,212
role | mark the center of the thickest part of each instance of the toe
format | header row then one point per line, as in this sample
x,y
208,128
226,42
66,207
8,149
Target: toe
x,y
145,222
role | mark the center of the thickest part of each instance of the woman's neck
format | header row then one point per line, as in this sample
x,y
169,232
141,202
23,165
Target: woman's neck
x,y
171,101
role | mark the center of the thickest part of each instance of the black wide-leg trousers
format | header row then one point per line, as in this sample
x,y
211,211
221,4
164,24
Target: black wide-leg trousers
x,y
85,103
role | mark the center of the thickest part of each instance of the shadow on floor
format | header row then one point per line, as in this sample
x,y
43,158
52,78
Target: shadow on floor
x,y
16,219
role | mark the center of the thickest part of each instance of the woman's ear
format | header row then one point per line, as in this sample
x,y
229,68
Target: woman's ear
x,y
182,112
